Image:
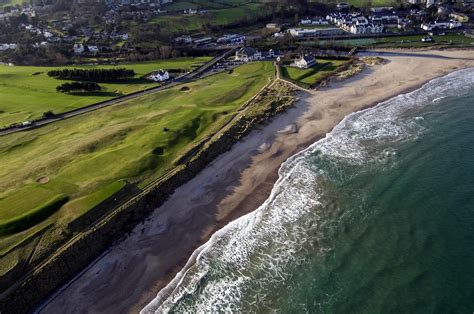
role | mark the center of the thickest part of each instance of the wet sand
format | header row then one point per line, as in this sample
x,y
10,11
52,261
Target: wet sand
x,y
130,274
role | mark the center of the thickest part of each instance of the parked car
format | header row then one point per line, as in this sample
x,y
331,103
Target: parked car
x,y
427,39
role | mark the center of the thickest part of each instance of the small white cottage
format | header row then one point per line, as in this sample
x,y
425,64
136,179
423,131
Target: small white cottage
x,y
160,76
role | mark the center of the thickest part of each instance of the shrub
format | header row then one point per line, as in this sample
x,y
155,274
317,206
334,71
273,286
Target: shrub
x,y
96,75
78,87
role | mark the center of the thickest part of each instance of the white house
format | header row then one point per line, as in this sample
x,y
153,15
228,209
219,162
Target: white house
x,y
160,76
366,29
440,25
247,54
7,46
314,32
47,34
305,62
78,49
190,11
93,49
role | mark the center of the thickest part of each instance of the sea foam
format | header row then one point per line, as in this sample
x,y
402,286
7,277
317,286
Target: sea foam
x,y
236,268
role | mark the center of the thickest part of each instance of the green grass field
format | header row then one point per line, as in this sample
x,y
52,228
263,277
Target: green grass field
x,y
364,3
5,3
307,77
57,173
26,92
398,41
179,23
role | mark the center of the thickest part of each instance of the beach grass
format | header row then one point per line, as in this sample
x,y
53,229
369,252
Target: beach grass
x,y
26,92
86,159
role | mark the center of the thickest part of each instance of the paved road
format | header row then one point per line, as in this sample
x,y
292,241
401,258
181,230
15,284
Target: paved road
x,y
189,77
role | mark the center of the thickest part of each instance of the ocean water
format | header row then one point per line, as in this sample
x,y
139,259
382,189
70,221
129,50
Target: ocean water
x,y
378,217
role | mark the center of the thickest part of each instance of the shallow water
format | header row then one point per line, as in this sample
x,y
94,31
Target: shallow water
x,y
376,217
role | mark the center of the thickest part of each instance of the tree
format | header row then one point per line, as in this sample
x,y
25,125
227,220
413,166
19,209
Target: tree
x,y
78,87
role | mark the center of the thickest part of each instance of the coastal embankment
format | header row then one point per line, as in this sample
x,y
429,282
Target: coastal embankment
x,y
131,273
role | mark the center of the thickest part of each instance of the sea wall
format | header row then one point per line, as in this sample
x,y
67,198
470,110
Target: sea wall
x,y
82,249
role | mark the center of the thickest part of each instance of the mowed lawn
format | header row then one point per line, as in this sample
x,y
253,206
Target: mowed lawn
x,y
308,77
27,92
67,167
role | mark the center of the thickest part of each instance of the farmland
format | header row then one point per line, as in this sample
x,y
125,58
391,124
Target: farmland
x,y
307,77
217,15
77,163
5,3
364,3
27,92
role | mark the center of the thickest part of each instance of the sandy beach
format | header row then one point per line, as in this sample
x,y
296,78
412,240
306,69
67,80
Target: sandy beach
x,y
130,274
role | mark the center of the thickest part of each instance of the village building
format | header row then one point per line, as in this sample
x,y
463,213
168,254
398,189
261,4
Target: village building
x,y
160,76
384,18
460,17
247,54
184,40
366,29
274,26
203,41
7,46
232,39
78,49
191,11
441,25
93,49
315,32
313,21
305,62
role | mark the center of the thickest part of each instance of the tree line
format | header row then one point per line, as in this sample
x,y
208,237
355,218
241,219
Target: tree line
x,y
78,87
96,75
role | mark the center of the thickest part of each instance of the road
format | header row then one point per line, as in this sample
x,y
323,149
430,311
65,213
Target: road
x,y
188,77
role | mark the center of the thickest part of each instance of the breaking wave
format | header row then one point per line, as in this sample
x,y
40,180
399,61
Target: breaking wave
x,y
241,263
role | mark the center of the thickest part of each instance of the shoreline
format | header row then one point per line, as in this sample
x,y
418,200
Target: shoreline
x,y
234,184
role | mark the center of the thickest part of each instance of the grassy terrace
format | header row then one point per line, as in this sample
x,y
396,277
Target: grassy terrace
x,y
308,77
363,3
397,41
55,174
26,92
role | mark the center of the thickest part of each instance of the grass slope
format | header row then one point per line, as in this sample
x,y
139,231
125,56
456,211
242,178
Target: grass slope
x,y
308,77
26,92
398,41
87,157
